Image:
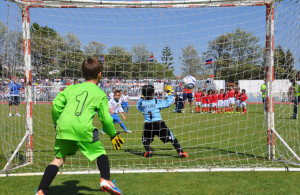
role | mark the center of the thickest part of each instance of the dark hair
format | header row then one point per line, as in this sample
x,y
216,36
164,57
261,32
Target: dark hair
x,y
91,67
117,91
148,91
244,90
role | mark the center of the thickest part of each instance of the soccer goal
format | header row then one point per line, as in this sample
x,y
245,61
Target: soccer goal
x,y
238,43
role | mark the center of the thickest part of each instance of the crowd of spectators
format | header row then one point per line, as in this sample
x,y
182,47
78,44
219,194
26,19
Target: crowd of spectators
x,y
46,89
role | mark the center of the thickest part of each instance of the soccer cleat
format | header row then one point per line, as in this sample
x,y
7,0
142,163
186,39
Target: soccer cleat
x,y
40,192
183,111
9,114
109,186
192,111
293,117
102,132
128,112
128,131
148,154
17,114
182,154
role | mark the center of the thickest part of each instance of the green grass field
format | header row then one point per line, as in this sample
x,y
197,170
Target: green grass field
x,y
211,140
164,183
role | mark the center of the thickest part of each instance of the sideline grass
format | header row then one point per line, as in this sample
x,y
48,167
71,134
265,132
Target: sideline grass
x,y
165,183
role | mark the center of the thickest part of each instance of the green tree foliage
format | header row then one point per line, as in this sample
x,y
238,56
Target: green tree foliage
x,y
283,63
167,62
11,50
71,56
141,66
236,56
46,44
190,61
94,48
3,30
118,63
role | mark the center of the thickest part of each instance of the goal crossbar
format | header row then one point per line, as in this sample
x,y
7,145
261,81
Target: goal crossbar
x,y
141,4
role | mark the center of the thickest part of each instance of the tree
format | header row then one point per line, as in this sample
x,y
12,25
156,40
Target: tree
x,y
167,62
190,61
71,56
283,63
142,67
140,53
46,44
118,63
236,56
3,30
94,49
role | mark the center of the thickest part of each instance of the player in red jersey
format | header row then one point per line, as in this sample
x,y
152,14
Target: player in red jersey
x,y
198,95
209,97
221,100
243,100
226,102
215,101
237,100
204,101
187,96
231,94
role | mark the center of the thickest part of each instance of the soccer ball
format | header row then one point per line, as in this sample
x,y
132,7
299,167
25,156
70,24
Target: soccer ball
x,y
189,82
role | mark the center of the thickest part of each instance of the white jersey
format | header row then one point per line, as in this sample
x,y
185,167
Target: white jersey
x,y
111,95
125,98
115,106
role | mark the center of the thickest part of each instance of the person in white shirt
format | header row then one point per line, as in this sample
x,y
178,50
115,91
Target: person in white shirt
x,y
115,108
112,93
125,102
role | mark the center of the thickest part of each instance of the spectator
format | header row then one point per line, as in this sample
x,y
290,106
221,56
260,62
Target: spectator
x,y
14,96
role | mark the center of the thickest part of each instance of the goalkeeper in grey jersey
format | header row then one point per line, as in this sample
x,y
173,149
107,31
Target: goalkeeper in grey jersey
x,y
154,125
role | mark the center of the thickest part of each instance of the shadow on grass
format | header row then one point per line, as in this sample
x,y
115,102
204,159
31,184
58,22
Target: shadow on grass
x,y
141,153
204,149
71,187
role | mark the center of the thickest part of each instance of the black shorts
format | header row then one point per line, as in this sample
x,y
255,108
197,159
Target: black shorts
x,y
14,100
188,96
158,128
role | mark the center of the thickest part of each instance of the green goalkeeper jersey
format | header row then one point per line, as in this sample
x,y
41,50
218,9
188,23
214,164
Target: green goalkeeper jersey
x,y
74,109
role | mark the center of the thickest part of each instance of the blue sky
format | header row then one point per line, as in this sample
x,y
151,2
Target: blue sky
x,y
158,27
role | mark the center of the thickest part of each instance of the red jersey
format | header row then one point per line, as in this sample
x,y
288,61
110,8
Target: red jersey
x,y
237,95
244,97
209,98
231,93
221,96
225,96
187,90
198,96
204,99
215,98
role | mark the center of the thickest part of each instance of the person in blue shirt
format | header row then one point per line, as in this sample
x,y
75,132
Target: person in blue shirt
x,y
154,125
14,96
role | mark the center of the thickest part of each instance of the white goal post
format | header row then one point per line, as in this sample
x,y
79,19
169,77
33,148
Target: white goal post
x,y
27,5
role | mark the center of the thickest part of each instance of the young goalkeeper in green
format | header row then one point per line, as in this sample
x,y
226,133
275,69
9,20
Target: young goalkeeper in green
x,y
72,113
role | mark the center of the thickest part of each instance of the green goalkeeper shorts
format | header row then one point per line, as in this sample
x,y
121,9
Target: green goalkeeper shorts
x,y
91,150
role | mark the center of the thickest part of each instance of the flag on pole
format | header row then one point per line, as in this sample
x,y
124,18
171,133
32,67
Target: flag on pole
x,y
209,61
151,58
102,59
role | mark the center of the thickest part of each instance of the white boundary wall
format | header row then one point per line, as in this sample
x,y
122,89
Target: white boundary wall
x,y
252,87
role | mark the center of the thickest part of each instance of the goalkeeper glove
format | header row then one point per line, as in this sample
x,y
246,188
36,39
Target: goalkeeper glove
x,y
117,141
169,89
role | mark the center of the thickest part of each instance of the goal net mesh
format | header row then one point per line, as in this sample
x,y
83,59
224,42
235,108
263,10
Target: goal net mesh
x,y
156,46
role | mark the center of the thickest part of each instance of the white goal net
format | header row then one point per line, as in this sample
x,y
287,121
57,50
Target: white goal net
x,y
223,44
